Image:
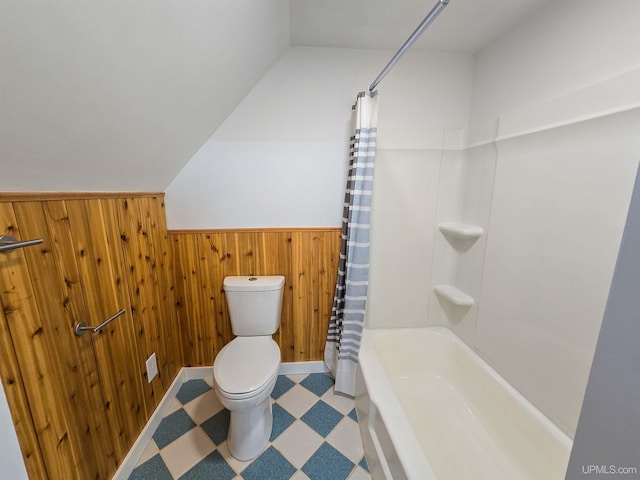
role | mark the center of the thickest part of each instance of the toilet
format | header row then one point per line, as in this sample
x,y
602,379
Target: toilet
x,y
245,371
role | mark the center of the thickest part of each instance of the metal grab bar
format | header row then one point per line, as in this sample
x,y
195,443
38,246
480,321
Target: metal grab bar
x,y
8,243
82,327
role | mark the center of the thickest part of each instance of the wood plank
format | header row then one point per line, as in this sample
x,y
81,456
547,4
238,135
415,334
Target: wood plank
x,y
227,242
281,245
330,248
26,327
189,303
53,274
204,320
215,314
173,359
95,233
179,292
311,263
242,257
300,282
134,225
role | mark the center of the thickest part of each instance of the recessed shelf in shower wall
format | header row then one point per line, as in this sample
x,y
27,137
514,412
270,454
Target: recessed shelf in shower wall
x,y
454,295
460,230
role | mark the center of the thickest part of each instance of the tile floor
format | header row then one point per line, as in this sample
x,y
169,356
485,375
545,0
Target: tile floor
x,y
315,436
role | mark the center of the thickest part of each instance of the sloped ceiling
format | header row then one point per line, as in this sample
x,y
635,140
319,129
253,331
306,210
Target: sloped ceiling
x,y
118,95
465,26
102,95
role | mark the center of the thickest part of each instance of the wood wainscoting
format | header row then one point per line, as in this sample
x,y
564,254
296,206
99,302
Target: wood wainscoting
x,y
308,258
79,403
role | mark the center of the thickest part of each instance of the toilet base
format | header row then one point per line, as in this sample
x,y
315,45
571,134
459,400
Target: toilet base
x,y
249,430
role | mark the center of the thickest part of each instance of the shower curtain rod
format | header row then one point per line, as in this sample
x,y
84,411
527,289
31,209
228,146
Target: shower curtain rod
x,y
431,16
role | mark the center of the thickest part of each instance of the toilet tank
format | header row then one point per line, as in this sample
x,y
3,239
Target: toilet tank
x,y
255,304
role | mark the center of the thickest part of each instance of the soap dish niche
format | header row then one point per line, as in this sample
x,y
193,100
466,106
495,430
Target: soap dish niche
x,y
461,236
454,295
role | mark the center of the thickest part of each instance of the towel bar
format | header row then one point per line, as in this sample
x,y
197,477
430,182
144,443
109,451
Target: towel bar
x,y
82,327
9,243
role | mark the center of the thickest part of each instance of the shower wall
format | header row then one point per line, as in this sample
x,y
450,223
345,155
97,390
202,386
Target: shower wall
x,y
551,163
559,202
413,189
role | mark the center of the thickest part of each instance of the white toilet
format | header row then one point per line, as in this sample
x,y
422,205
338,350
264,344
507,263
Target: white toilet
x,y
246,369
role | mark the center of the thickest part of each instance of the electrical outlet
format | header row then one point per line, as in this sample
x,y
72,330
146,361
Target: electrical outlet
x,y
152,367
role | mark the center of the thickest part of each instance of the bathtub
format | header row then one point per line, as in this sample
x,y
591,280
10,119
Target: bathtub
x,y
430,408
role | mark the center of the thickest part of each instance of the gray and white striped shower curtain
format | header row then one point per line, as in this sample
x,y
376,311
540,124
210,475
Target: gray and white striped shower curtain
x,y
347,315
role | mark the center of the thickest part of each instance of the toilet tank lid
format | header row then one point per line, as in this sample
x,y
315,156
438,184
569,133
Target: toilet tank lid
x,y
253,283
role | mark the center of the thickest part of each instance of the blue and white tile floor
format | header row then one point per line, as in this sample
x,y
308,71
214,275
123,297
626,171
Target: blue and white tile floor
x,y
315,436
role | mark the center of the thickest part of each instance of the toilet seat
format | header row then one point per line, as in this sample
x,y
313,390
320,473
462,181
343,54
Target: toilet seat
x,y
246,366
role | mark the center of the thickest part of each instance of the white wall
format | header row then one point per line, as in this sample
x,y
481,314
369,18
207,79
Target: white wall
x,y
564,46
11,462
559,205
280,159
118,96
554,119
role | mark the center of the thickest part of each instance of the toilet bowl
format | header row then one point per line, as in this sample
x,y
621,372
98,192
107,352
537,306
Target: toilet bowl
x,y
245,371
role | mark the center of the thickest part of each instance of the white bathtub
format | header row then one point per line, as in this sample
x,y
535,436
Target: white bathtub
x,y
430,408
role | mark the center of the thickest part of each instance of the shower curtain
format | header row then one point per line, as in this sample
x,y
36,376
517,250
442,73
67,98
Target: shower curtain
x,y
347,315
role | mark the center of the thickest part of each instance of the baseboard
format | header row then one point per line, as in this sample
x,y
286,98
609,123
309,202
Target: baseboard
x,y
296,368
286,368
185,374
197,373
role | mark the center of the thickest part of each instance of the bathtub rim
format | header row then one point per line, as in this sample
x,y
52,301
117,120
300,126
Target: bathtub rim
x,y
407,445
408,448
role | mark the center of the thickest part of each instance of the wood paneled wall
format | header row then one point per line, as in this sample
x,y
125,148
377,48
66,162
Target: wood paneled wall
x,y
308,258
79,403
